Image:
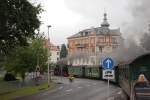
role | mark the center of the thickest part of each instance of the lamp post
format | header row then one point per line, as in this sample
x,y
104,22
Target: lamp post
x,y
49,78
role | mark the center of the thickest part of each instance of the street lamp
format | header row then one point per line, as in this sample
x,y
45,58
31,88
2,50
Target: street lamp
x,y
49,78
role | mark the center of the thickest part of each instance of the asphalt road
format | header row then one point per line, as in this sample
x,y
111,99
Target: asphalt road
x,y
80,89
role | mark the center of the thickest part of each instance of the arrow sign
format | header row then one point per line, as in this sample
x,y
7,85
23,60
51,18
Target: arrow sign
x,y
108,63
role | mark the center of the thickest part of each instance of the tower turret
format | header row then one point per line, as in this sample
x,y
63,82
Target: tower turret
x,y
105,23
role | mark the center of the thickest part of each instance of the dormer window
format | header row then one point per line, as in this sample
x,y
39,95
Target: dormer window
x,y
81,33
86,33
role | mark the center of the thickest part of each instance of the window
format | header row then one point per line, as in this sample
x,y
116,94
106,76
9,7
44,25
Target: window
x,y
100,49
86,33
57,58
114,40
93,50
92,41
57,53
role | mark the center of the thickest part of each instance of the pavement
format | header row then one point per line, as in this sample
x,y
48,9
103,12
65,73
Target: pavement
x,y
79,89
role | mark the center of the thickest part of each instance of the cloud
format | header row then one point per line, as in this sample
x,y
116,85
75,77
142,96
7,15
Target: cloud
x,y
67,17
92,11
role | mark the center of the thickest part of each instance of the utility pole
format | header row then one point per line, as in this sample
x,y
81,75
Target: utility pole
x,y
48,73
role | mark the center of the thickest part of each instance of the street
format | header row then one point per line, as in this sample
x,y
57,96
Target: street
x,y
80,89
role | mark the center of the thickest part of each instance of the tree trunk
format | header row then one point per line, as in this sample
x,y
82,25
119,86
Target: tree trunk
x,y
23,76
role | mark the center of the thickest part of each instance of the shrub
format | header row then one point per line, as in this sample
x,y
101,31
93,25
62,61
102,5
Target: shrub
x,y
9,77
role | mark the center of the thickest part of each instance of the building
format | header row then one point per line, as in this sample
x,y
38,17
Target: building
x,y
54,52
85,47
100,39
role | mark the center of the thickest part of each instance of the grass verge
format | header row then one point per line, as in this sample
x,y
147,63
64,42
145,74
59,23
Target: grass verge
x,y
25,91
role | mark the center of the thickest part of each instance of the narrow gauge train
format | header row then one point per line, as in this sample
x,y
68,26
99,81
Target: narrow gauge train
x,y
126,73
93,72
85,71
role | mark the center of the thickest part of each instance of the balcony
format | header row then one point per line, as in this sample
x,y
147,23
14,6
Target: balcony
x,y
80,45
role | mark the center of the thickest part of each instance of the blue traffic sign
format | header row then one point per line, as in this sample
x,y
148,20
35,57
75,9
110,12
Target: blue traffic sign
x,y
108,63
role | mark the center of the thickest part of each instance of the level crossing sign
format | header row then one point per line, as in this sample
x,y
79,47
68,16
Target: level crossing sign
x,y
108,63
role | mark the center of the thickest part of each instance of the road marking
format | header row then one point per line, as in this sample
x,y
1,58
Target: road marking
x,y
67,93
80,87
94,83
88,85
60,87
119,92
69,90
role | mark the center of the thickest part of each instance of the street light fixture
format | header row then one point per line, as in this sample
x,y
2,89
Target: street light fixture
x,y
49,77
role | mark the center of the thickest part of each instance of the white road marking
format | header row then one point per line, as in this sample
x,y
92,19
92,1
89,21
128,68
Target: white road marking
x,y
80,87
94,83
88,85
67,93
119,92
60,87
69,90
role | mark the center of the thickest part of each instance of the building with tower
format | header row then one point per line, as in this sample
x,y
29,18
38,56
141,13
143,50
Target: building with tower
x,y
99,39
94,40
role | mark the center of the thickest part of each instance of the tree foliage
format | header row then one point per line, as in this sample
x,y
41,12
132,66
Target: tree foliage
x,y
63,51
26,59
18,21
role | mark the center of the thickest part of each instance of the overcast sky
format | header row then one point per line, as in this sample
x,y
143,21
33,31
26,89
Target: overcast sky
x,y
68,17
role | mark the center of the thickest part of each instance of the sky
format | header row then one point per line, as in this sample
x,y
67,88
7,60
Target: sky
x,y
68,17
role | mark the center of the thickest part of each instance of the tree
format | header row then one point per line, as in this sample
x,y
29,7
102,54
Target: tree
x,y
18,21
63,51
145,41
26,59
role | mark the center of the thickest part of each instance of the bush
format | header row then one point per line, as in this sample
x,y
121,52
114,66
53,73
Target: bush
x,y
9,77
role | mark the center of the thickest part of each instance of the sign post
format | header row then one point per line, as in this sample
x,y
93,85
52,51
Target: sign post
x,y
108,72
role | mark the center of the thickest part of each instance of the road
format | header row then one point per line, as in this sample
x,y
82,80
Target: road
x,y
80,89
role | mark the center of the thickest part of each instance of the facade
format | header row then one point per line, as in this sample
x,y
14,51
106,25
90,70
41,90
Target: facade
x,y
100,39
85,46
54,52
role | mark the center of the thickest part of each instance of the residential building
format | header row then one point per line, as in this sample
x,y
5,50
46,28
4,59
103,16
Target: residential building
x,y
100,39
54,52
85,47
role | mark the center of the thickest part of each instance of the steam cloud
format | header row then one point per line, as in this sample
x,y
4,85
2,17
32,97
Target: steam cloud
x,y
140,12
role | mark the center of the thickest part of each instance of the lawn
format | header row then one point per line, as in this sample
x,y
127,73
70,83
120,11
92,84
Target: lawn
x,y
25,91
1,79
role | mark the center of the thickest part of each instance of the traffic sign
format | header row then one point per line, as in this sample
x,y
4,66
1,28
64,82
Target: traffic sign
x,y
108,74
108,63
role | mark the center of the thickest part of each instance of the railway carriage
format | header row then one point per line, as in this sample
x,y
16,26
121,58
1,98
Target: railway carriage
x,y
85,71
92,72
130,71
76,71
